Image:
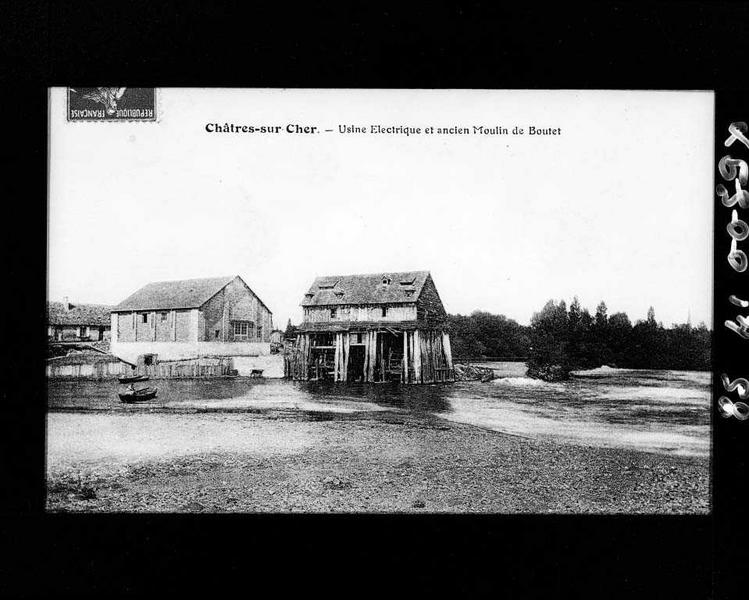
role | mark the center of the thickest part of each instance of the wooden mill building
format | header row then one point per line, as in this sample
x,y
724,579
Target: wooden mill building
x,y
372,328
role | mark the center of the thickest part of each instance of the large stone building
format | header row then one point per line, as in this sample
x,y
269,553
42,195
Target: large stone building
x,y
190,318
373,328
68,322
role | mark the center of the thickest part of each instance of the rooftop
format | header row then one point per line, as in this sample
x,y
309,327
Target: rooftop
x,y
180,294
184,293
98,315
372,288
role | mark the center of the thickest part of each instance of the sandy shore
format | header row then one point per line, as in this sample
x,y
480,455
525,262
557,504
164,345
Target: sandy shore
x,y
371,462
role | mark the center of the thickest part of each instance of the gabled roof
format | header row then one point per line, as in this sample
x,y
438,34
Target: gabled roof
x,y
404,287
169,295
79,314
83,357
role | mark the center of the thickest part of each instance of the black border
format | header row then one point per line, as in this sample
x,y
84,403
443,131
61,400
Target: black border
x,y
673,45
730,353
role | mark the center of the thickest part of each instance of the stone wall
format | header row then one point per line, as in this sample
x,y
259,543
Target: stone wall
x,y
429,306
179,325
130,351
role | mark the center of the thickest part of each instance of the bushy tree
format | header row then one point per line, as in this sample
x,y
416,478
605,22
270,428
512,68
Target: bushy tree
x,y
550,344
290,330
483,334
562,341
620,332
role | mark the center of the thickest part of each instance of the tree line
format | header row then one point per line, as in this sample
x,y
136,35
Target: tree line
x,y
561,339
566,339
483,334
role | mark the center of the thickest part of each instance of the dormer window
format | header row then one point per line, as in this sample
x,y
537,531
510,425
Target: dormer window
x,y
409,293
327,284
386,280
309,295
338,293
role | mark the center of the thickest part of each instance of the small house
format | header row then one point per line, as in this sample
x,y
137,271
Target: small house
x,y
68,322
372,328
219,316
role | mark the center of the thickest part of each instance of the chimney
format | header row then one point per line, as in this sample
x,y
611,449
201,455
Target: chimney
x,y
66,303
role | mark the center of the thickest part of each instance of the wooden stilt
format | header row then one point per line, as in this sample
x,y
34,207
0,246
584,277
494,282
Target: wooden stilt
x,y
337,357
346,352
404,376
448,351
417,357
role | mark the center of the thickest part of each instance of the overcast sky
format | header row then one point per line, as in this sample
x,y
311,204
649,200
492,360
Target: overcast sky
x,y
618,207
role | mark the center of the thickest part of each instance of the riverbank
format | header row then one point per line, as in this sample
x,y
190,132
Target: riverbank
x,y
296,461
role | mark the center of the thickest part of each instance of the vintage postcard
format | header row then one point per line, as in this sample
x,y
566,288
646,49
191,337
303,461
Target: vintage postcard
x,y
379,301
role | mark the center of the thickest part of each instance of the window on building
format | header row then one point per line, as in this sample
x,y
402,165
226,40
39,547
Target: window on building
x,y
332,313
217,333
260,332
145,317
384,311
164,316
242,330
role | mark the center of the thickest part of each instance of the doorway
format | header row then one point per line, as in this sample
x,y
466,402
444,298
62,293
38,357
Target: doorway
x,y
355,363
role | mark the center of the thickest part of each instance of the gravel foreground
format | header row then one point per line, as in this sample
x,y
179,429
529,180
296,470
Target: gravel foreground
x,y
374,462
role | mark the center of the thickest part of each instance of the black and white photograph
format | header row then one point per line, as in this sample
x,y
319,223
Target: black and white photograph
x,y
379,301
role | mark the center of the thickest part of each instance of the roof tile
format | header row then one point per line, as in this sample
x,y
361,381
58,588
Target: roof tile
x,y
186,293
365,289
79,314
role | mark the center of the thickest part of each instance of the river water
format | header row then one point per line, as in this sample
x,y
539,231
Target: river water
x,y
655,411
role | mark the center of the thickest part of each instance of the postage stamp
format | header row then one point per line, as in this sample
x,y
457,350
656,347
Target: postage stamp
x,y
111,104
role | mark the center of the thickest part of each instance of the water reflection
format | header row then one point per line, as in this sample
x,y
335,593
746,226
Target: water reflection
x,y
254,394
423,399
661,411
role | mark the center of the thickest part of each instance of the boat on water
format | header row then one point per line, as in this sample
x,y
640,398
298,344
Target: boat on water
x,y
133,378
140,395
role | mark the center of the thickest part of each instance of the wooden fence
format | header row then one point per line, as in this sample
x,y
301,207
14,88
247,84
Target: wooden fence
x,y
98,370
200,367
